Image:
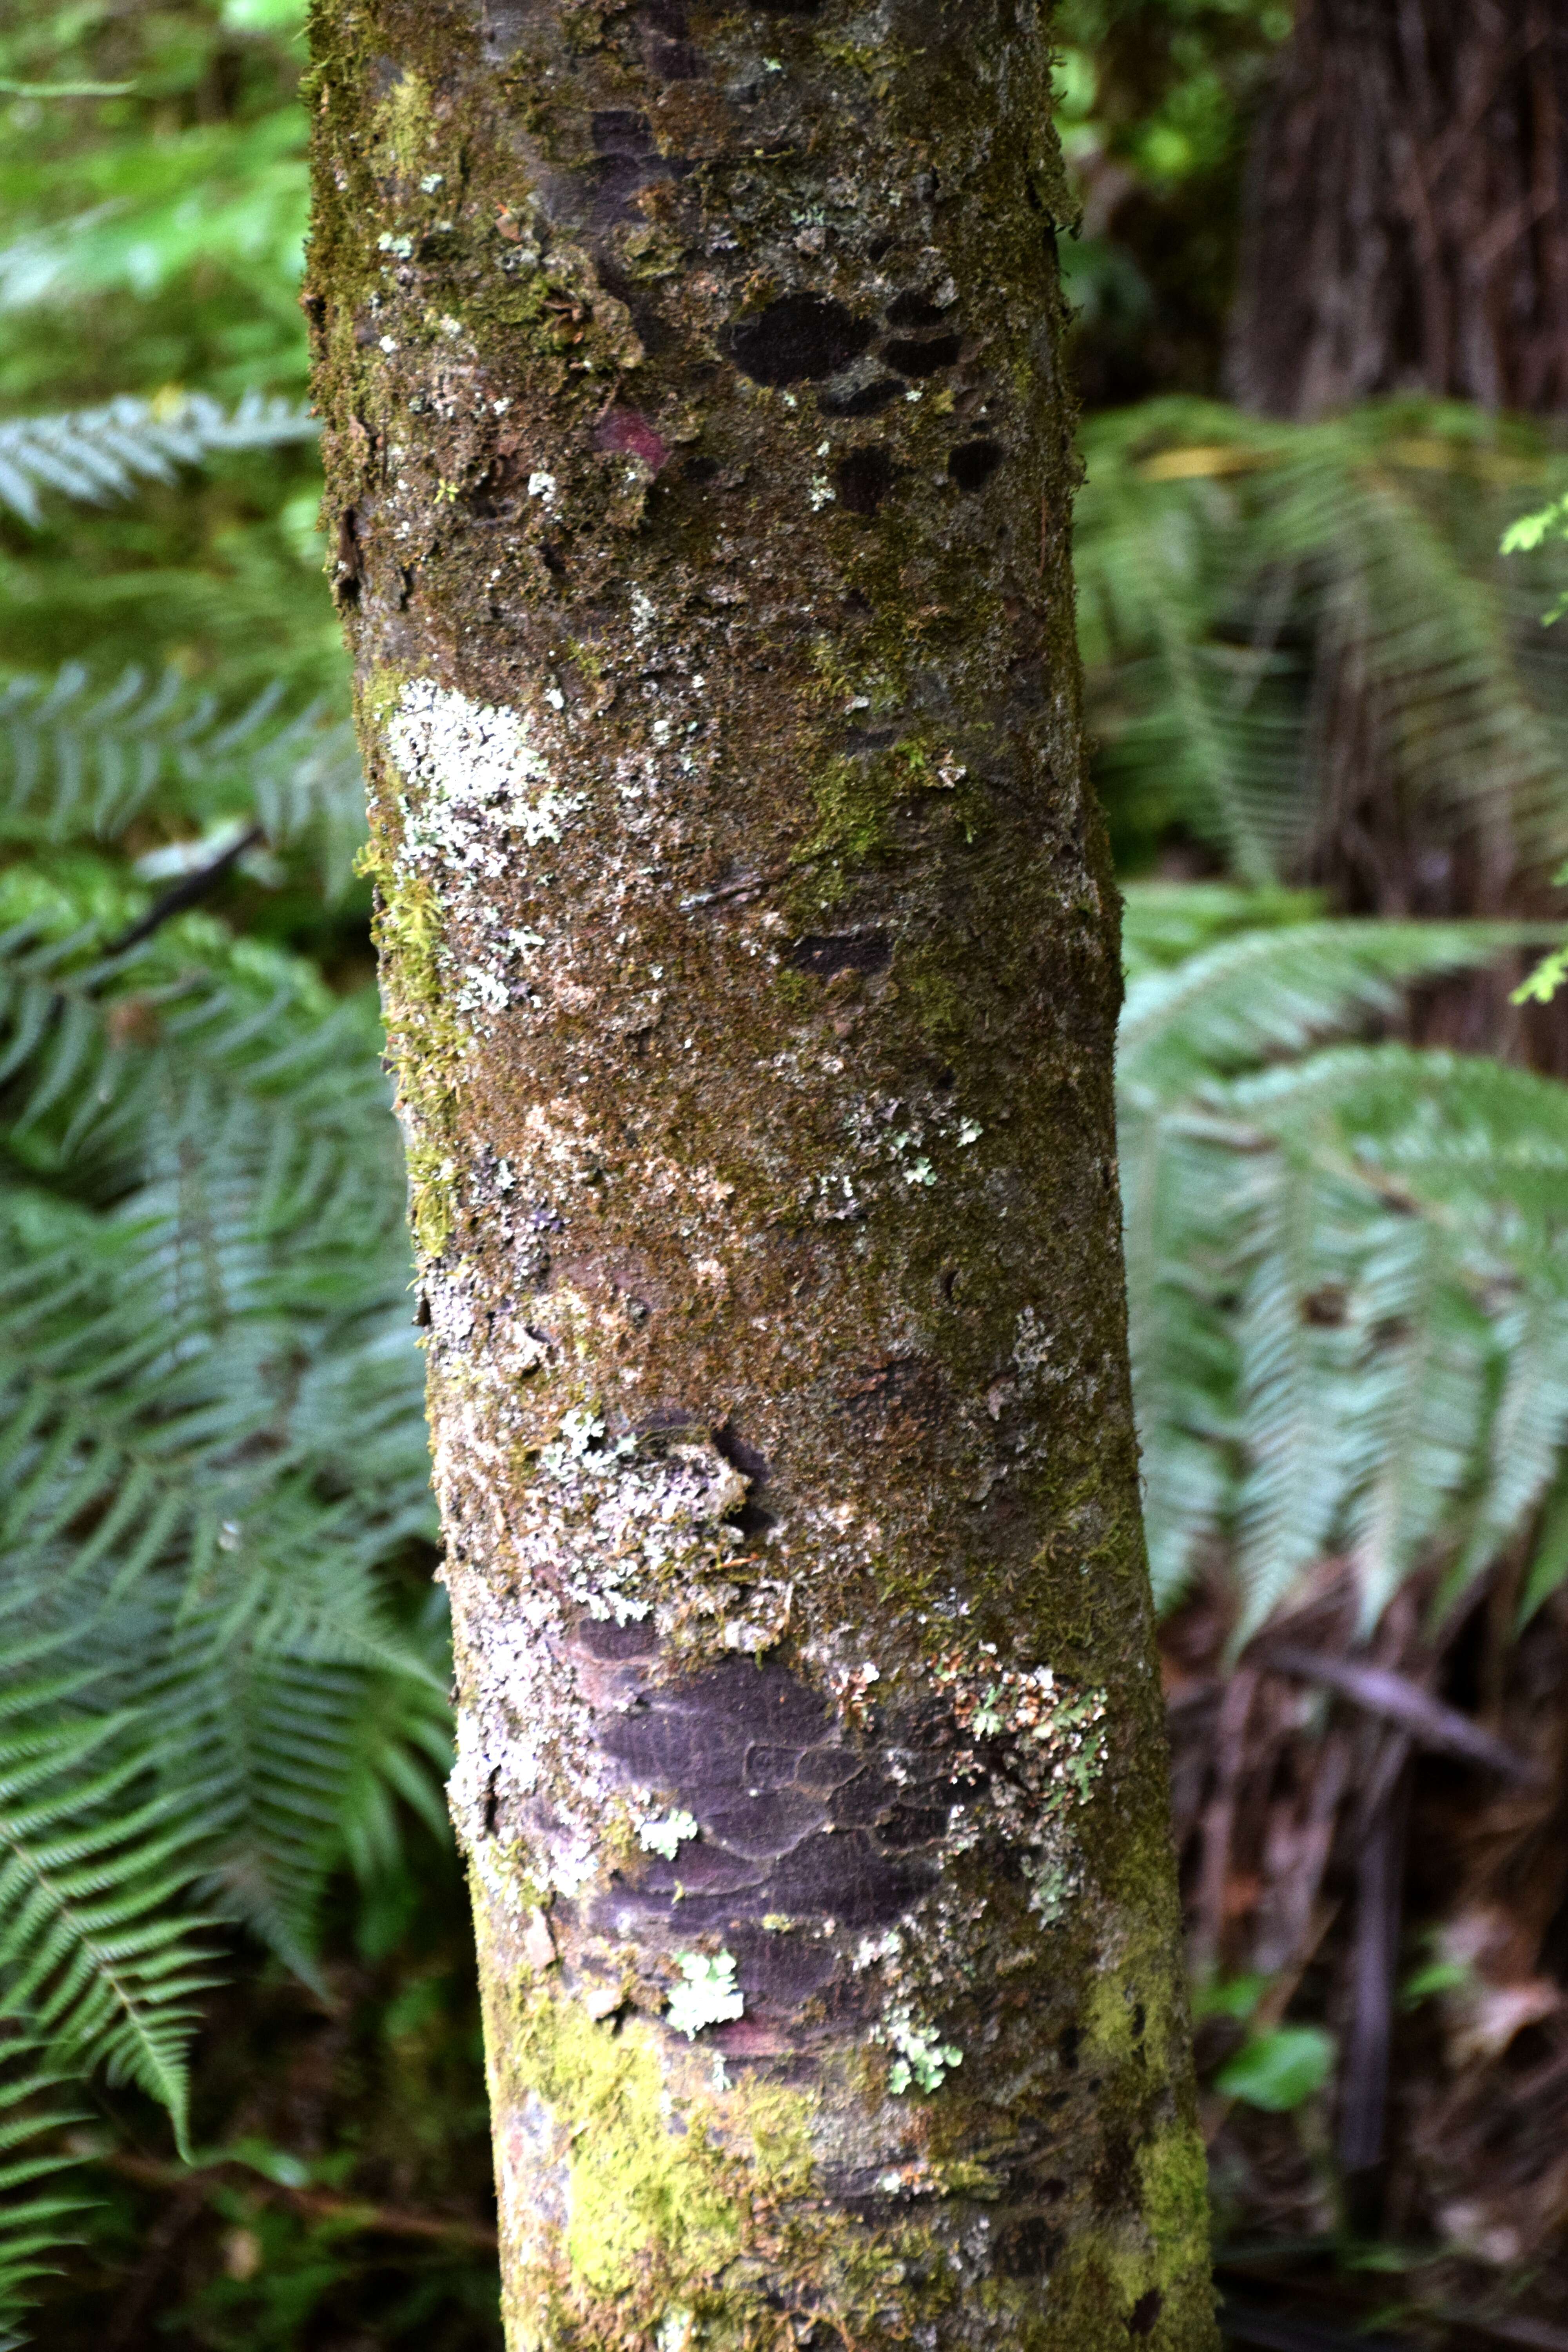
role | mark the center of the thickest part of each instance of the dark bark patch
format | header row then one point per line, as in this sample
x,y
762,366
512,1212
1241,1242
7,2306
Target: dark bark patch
x,y
912,1825
1026,2247
621,131
863,400
672,1751
826,1768
849,1880
913,356
823,953
615,181
862,1802
797,338
675,61
763,1827
716,1872
863,479
973,463
782,1971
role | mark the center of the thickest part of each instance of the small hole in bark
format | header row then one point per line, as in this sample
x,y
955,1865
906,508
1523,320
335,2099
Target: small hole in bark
x,y
700,469
492,1803
1068,2046
823,955
798,337
1144,2312
912,310
866,400
740,1457
864,478
1140,2020
973,463
912,357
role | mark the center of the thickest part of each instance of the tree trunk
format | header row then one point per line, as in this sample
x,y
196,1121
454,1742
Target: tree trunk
x,y
1407,210
700,465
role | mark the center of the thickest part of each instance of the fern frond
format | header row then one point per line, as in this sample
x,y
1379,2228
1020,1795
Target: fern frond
x,y
1244,582
82,760
98,454
1273,993
96,1949
36,2105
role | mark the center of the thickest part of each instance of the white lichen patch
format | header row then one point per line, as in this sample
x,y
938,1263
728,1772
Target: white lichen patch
x,y
633,1529
666,1833
477,782
477,792
706,1994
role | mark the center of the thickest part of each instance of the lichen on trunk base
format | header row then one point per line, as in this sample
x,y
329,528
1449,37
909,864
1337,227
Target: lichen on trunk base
x,y
700,472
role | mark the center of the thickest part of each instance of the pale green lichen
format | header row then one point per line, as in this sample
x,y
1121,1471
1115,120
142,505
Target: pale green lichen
x,y
706,1994
667,1835
925,2061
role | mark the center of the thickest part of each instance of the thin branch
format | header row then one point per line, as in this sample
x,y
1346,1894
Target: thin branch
x,y
1400,1701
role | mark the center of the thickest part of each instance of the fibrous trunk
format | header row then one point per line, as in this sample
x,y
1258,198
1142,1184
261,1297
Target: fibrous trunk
x,y
700,469
1405,226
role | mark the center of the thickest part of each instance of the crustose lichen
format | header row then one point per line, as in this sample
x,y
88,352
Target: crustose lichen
x,y
706,1994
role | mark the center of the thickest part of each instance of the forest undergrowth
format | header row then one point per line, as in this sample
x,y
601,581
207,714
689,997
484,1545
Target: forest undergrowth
x,y
241,2094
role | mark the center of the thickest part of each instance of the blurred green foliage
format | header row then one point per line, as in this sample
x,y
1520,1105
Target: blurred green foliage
x,y
1155,101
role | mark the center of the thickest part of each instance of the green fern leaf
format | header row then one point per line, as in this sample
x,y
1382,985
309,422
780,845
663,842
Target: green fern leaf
x,y
96,454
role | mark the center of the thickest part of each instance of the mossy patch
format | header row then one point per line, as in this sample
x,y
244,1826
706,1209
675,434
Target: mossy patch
x,y
426,1043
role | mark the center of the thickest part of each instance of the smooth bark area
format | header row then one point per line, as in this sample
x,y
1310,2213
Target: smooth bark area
x,y
1405,228
699,466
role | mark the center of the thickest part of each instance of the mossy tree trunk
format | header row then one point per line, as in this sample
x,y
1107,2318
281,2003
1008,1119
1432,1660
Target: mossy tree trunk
x,y
699,466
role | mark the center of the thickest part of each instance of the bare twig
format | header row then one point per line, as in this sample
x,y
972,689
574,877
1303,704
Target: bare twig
x,y
319,2204
1382,1692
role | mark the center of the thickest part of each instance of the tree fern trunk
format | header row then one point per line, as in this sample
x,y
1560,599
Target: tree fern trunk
x,y
699,467
1406,226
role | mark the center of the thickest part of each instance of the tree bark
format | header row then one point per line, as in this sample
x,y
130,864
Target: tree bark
x,y
700,466
1406,214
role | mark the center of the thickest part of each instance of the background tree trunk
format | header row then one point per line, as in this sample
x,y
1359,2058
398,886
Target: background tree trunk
x,y
699,466
1407,210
